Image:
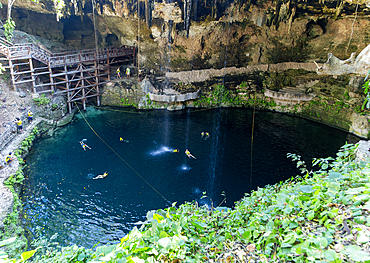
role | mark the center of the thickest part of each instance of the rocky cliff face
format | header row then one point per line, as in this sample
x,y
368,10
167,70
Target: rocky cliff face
x,y
185,34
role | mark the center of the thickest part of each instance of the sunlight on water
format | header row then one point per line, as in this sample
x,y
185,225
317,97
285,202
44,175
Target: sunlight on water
x,y
185,167
161,150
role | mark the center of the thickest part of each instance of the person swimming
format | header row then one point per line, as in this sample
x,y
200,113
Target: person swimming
x,y
176,150
84,145
101,175
187,152
122,140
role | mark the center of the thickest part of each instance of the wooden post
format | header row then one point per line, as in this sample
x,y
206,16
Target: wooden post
x,y
32,76
12,73
68,92
96,64
108,65
83,88
51,78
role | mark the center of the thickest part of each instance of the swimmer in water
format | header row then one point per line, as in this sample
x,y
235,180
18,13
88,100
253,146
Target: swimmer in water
x,y
101,175
84,145
176,150
187,152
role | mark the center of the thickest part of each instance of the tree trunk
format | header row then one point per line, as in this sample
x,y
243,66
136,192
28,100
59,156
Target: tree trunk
x,y
10,5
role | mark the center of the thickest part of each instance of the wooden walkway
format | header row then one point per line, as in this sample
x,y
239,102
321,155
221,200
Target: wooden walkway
x,y
77,73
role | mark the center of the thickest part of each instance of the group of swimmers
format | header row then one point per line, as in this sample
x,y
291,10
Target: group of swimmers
x,y
85,146
204,135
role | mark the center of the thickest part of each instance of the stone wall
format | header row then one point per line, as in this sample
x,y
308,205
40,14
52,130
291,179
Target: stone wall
x,y
193,76
174,98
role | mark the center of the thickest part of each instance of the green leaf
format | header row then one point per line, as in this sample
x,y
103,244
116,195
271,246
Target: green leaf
x,y
355,191
28,254
7,241
158,217
321,242
304,198
306,189
163,234
165,243
359,219
293,225
199,225
356,254
81,257
363,197
310,215
330,255
366,206
3,255
334,186
247,234
362,237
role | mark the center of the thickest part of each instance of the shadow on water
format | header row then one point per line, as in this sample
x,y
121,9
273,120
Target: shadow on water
x,y
61,196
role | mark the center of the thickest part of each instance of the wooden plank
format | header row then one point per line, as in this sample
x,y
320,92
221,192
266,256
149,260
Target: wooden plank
x,y
91,96
41,68
22,81
45,91
73,89
22,72
41,73
21,64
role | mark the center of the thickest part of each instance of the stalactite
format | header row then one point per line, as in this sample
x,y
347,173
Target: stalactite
x,y
338,9
291,19
214,9
276,19
187,12
195,10
170,24
148,13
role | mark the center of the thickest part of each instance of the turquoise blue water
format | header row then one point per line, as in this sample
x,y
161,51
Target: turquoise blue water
x,y
61,196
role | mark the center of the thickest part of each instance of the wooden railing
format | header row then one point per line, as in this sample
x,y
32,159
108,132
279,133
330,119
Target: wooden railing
x,y
14,51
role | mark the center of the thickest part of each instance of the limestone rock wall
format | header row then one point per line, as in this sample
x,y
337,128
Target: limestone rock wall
x,y
240,35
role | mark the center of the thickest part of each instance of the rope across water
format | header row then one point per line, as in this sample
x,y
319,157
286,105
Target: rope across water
x,y
120,156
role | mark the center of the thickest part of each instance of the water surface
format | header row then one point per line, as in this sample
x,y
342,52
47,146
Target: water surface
x,y
61,196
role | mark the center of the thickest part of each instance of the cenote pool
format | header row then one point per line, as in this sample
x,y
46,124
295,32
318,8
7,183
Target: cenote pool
x,y
60,196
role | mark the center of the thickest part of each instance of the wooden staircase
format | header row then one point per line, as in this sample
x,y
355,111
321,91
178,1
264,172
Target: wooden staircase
x,y
78,74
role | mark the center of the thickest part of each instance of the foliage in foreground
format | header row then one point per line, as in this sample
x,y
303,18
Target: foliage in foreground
x,y
323,216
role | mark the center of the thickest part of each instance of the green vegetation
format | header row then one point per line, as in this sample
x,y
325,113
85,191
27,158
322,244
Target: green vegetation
x,y
321,216
42,100
9,27
219,95
367,95
12,223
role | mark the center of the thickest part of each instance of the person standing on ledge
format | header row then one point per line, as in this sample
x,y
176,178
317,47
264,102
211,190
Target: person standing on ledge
x,y
118,71
19,125
128,72
8,159
30,116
